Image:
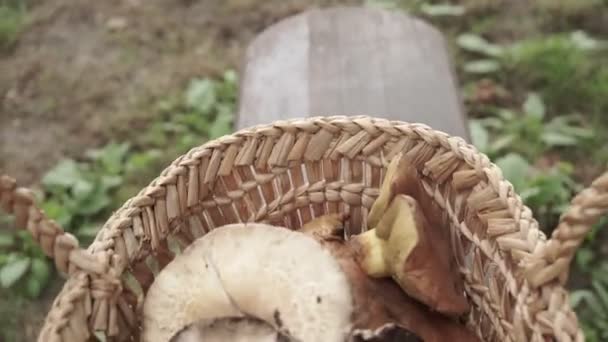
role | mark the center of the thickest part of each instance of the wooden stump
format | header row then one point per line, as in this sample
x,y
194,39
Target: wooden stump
x,y
351,61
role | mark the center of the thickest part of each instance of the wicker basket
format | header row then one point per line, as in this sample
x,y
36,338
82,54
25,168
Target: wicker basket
x,y
289,172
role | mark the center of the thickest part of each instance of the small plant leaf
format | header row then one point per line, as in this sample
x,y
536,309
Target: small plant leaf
x,y
82,189
474,43
201,95
95,202
439,10
534,106
557,139
514,168
13,271
33,287
63,175
40,270
482,66
110,156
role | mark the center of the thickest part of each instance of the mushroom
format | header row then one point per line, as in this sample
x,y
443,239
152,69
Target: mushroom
x,y
406,246
383,311
260,283
235,329
265,273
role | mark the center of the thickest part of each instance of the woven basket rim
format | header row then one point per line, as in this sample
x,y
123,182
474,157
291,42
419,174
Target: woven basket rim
x,y
536,309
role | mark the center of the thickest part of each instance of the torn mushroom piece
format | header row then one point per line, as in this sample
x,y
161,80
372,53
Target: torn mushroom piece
x,y
406,246
382,311
270,274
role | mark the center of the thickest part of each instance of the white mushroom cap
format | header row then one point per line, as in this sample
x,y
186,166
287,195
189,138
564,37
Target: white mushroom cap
x,y
282,277
242,329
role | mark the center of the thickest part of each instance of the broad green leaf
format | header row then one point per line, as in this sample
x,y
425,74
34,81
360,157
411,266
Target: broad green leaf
x,y
96,202
557,139
6,239
479,135
534,106
13,271
439,10
82,189
33,287
40,270
475,43
64,174
482,66
201,96
514,168
112,157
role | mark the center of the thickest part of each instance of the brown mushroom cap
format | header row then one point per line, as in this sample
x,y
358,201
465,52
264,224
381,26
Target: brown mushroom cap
x,y
282,277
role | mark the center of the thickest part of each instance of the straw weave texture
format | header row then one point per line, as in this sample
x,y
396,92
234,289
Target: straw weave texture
x,y
287,173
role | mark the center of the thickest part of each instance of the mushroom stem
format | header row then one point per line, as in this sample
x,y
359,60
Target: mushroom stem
x,y
371,254
383,257
410,256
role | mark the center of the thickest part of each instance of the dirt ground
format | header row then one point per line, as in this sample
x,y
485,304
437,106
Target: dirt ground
x,y
85,72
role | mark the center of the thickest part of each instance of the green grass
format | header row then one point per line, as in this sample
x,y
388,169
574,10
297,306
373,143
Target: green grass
x,y
12,20
81,194
572,77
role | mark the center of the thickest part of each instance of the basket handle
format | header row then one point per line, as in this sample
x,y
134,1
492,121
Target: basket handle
x,y
58,244
552,260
